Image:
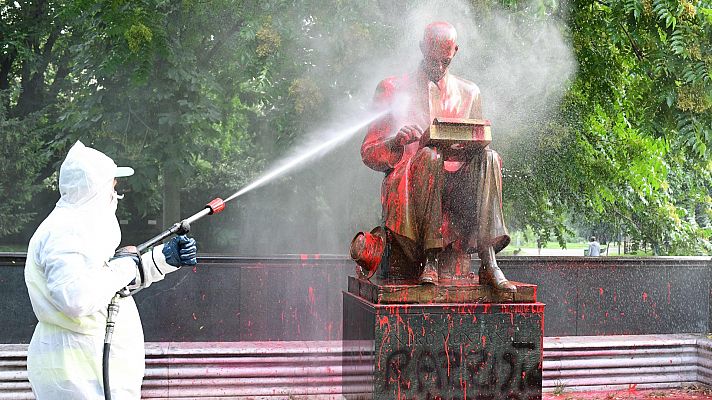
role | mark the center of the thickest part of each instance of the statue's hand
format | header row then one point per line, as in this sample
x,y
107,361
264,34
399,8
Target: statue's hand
x,y
408,134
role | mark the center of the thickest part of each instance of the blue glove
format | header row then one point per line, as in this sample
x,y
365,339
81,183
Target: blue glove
x,y
180,251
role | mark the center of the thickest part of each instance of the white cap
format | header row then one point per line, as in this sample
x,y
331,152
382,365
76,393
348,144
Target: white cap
x,y
123,172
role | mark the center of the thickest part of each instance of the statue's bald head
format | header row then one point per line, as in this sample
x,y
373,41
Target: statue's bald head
x,y
438,46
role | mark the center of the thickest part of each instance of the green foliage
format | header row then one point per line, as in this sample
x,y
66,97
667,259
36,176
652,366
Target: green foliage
x,y
23,155
629,148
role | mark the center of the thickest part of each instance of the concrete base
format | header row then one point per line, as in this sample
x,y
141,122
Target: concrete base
x,y
446,350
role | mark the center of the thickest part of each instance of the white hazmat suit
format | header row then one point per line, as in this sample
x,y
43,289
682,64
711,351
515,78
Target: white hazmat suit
x,y
71,282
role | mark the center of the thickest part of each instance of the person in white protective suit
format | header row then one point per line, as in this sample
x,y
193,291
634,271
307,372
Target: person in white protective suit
x,y
71,277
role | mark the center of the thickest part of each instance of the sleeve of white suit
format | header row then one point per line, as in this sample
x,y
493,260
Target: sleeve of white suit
x,y
77,285
155,266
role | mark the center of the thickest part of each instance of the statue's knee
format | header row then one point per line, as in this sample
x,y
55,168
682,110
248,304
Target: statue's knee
x,y
492,156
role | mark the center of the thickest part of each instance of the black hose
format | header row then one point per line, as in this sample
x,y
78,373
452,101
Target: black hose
x,y
112,310
105,368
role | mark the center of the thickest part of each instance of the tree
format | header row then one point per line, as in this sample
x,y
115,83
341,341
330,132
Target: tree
x,y
200,97
629,144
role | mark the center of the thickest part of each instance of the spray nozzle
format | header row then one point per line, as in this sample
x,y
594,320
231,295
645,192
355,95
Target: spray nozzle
x,y
216,205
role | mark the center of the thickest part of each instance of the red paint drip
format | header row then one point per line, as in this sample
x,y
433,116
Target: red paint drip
x,y
668,296
311,295
382,321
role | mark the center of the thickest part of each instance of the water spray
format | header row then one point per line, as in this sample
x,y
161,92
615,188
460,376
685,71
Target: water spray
x,y
213,207
308,154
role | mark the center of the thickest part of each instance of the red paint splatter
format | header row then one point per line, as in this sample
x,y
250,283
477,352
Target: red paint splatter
x,y
645,296
668,296
303,257
382,321
312,300
600,291
484,341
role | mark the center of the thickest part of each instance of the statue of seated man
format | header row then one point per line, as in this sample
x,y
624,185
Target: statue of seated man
x,y
432,205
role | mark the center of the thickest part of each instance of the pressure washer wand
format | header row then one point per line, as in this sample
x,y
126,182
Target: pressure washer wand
x,y
179,228
183,227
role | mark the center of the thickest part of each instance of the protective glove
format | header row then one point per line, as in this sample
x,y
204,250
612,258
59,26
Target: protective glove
x,y
159,261
180,251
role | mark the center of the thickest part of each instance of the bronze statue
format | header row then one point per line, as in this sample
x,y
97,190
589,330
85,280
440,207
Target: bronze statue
x,y
438,207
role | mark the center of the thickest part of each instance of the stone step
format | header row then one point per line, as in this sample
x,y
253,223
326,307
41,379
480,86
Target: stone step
x,y
282,369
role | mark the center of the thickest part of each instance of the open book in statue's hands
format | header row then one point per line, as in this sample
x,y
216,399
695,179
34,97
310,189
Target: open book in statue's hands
x,y
457,138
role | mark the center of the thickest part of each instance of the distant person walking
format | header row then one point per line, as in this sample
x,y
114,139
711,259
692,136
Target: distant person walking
x,y
594,248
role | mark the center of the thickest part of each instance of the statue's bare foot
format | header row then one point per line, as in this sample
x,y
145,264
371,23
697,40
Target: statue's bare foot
x,y
491,274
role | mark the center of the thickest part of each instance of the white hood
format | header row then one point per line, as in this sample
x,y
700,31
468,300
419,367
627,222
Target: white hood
x,y
86,178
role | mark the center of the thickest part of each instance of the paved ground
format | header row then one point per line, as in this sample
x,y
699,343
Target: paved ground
x,y
692,393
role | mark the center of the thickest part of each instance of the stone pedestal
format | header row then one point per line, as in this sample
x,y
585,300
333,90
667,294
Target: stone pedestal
x,y
441,342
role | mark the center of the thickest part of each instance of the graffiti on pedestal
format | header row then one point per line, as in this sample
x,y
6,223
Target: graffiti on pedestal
x,y
459,361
